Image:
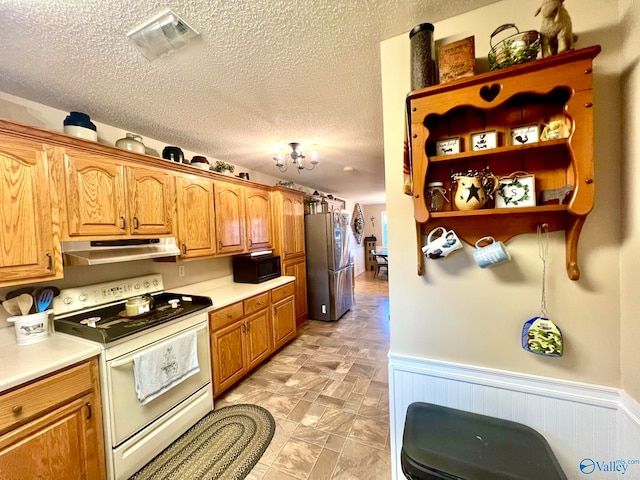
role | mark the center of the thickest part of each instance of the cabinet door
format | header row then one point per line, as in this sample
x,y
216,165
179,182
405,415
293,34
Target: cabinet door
x,y
229,207
298,209
293,212
95,195
258,208
196,219
284,321
228,356
27,243
258,337
150,201
61,444
298,269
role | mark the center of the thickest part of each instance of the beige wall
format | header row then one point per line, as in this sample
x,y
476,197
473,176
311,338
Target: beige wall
x,y
369,229
460,313
629,254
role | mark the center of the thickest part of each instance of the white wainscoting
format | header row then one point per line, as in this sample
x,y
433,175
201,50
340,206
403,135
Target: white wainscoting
x,y
578,420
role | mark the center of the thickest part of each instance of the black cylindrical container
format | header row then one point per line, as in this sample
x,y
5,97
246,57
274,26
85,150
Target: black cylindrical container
x,y
423,65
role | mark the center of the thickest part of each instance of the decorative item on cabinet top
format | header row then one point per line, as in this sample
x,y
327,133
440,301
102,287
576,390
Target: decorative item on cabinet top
x,y
457,60
516,190
520,47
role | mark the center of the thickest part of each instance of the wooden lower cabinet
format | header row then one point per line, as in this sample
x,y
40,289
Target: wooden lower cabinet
x,y
229,363
259,345
246,333
52,428
298,268
284,314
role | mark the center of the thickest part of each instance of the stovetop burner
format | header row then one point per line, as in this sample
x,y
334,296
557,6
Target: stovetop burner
x,y
110,323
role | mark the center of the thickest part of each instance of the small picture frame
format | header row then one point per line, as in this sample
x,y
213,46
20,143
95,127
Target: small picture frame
x,y
484,140
516,190
525,134
448,146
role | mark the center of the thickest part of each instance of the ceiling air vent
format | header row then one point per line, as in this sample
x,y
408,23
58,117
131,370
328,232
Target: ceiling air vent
x,y
161,35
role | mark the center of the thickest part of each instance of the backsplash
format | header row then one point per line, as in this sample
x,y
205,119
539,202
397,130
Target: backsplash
x,y
195,271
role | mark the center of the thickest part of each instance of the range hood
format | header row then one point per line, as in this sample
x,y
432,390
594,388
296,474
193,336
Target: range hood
x,y
112,251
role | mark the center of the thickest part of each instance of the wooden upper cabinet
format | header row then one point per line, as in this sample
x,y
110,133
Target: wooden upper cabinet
x,y
196,217
259,227
293,218
230,217
29,251
95,195
151,201
106,197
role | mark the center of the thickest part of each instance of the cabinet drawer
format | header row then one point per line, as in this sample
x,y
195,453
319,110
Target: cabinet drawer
x,y
225,316
282,292
256,303
36,398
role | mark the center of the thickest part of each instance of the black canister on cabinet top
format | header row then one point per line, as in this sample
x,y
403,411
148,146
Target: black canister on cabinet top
x,y
423,64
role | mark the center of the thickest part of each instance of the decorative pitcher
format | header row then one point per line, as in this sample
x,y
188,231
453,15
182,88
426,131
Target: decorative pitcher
x,y
473,190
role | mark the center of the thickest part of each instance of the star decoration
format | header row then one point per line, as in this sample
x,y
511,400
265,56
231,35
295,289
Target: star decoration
x,y
473,193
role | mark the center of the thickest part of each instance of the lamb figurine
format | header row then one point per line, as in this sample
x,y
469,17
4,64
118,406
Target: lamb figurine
x,y
557,35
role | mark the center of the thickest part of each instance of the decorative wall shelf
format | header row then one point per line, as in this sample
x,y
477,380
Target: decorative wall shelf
x,y
557,88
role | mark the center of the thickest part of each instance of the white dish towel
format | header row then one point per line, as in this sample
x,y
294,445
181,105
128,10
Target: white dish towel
x,y
164,366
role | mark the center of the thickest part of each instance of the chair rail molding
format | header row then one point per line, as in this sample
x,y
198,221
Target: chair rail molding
x,y
579,420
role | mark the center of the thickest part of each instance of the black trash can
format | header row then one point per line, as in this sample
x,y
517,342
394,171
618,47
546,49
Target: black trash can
x,y
445,443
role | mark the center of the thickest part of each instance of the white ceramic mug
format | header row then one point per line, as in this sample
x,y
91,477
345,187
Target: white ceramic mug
x,y
491,254
443,245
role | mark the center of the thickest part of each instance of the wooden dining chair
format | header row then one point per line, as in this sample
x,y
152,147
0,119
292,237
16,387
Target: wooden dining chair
x,y
381,263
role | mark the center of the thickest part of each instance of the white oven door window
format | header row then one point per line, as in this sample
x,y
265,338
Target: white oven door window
x,y
128,414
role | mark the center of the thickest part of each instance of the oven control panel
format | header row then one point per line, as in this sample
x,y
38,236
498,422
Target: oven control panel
x,y
89,296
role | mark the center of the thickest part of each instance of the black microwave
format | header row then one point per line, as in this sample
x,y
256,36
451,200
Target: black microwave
x,y
248,269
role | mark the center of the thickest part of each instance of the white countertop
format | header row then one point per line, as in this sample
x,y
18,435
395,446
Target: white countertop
x,y
22,363
224,292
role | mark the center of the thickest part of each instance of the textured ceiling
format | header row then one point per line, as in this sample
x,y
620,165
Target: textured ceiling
x,y
263,72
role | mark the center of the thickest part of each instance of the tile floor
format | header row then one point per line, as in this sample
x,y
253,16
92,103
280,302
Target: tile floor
x,y
328,392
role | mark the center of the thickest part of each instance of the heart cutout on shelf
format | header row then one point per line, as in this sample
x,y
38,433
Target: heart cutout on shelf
x,y
489,93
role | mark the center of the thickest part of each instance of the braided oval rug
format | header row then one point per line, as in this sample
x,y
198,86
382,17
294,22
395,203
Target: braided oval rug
x,y
225,444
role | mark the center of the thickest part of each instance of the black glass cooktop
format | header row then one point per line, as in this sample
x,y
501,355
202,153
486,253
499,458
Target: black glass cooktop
x,y
111,323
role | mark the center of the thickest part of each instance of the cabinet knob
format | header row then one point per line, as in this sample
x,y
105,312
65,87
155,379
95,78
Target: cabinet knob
x,y
184,248
49,261
244,327
250,243
89,410
588,105
417,195
589,180
248,327
17,410
220,244
136,223
414,109
415,135
588,71
124,223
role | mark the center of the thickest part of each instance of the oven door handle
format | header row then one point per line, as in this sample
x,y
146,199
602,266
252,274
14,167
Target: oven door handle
x,y
121,363
129,358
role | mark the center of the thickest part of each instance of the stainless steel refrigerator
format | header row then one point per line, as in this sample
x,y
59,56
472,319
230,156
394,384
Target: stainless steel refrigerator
x,y
329,273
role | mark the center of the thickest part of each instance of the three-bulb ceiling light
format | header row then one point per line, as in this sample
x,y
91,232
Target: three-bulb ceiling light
x,y
296,158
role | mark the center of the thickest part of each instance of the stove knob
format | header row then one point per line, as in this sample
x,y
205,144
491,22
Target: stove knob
x,y
146,284
82,297
137,286
155,283
67,300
